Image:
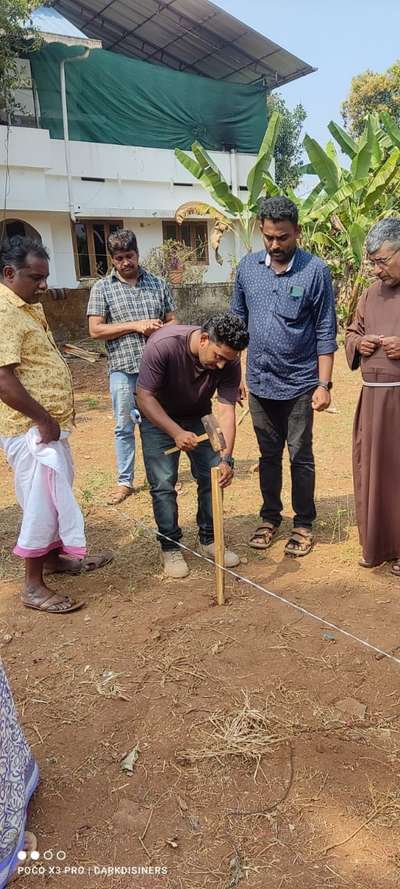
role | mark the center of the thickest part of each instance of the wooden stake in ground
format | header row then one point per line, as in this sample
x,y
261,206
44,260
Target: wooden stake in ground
x,y
218,522
243,416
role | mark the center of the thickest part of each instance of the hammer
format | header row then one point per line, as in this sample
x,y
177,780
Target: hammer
x,y
212,433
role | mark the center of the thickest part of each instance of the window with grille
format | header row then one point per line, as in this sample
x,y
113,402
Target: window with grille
x,y
193,235
90,246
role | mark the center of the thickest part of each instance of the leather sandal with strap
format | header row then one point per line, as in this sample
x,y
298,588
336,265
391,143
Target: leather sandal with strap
x,y
53,603
300,542
82,566
263,536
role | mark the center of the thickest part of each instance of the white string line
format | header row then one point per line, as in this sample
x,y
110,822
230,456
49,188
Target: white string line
x,y
262,589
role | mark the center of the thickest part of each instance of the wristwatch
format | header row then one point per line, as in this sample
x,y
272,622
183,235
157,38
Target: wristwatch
x,y
327,386
229,460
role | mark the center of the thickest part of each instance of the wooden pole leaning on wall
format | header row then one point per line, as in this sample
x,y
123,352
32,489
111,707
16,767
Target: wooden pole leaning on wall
x,y
218,522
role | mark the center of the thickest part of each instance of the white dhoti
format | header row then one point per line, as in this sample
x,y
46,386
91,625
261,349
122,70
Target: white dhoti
x,y
44,475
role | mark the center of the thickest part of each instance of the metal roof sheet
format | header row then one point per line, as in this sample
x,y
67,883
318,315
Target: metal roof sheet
x,y
188,35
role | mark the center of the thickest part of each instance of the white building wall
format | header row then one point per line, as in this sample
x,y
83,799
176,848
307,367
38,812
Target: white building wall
x,y
55,232
63,250
142,186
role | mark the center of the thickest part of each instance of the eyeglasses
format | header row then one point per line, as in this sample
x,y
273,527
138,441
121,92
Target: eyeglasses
x,y
383,262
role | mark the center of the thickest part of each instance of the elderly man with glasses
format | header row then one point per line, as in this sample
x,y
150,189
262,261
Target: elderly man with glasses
x,y
373,342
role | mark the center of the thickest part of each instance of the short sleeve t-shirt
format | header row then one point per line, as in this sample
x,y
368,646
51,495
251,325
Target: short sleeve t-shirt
x,y
181,384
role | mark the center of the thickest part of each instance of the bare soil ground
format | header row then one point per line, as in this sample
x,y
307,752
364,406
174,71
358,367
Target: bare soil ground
x,y
269,753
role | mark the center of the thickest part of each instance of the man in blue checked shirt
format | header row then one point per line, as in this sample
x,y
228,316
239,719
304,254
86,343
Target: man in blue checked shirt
x,y
285,297
124,309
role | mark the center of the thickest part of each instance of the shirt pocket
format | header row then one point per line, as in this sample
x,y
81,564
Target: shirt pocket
x,y
289,305
150,304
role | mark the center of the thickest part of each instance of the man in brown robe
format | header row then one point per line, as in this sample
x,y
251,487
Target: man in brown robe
x,y
373,342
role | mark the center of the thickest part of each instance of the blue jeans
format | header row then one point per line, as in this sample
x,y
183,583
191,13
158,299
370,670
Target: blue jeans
x,y
162,475
122,389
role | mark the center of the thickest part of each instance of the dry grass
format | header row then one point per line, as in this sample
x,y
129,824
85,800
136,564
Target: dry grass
x,y
250,733
246,732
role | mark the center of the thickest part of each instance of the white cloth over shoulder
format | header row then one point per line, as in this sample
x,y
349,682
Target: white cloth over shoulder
x,y
44,475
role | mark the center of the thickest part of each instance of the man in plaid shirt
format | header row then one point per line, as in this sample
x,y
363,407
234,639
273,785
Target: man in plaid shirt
x,y
124,309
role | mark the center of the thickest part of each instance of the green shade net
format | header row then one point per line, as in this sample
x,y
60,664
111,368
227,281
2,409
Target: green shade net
x,y
121,101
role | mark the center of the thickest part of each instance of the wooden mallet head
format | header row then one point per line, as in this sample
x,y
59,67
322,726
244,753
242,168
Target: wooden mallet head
x,y
214,433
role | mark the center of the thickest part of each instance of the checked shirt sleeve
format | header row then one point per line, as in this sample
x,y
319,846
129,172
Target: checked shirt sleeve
x,y
97,304
169,305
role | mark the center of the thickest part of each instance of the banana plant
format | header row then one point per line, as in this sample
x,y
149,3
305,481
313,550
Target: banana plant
x,y
357,193
232,213
347,200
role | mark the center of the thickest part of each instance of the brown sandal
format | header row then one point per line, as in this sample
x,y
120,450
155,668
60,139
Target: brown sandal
x,y
89,563
395,569
54,604
300,542
263,536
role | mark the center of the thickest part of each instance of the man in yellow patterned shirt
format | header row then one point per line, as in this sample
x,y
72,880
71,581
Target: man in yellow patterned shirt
x,y
36,417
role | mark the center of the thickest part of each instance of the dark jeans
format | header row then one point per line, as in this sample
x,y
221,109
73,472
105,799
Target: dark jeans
x,y
162,475
275,423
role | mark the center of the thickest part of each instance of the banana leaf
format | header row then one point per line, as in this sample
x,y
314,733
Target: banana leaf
x,y
194,168
293,196
306,169
382,178
362,161
347,191
324,167
363,139
321,240
198,208
264,158
373,142
332,153
204,159
309,201
346,143
222,193
385,142
357,237
212,179
391,127
270,187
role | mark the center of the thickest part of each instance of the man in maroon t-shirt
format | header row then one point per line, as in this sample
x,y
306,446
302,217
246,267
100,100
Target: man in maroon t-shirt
x,y
181,369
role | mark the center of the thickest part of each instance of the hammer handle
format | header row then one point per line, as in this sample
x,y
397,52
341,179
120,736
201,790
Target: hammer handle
x,y
200,438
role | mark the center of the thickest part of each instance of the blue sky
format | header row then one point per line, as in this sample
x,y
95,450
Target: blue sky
x,y
47,19
341,38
